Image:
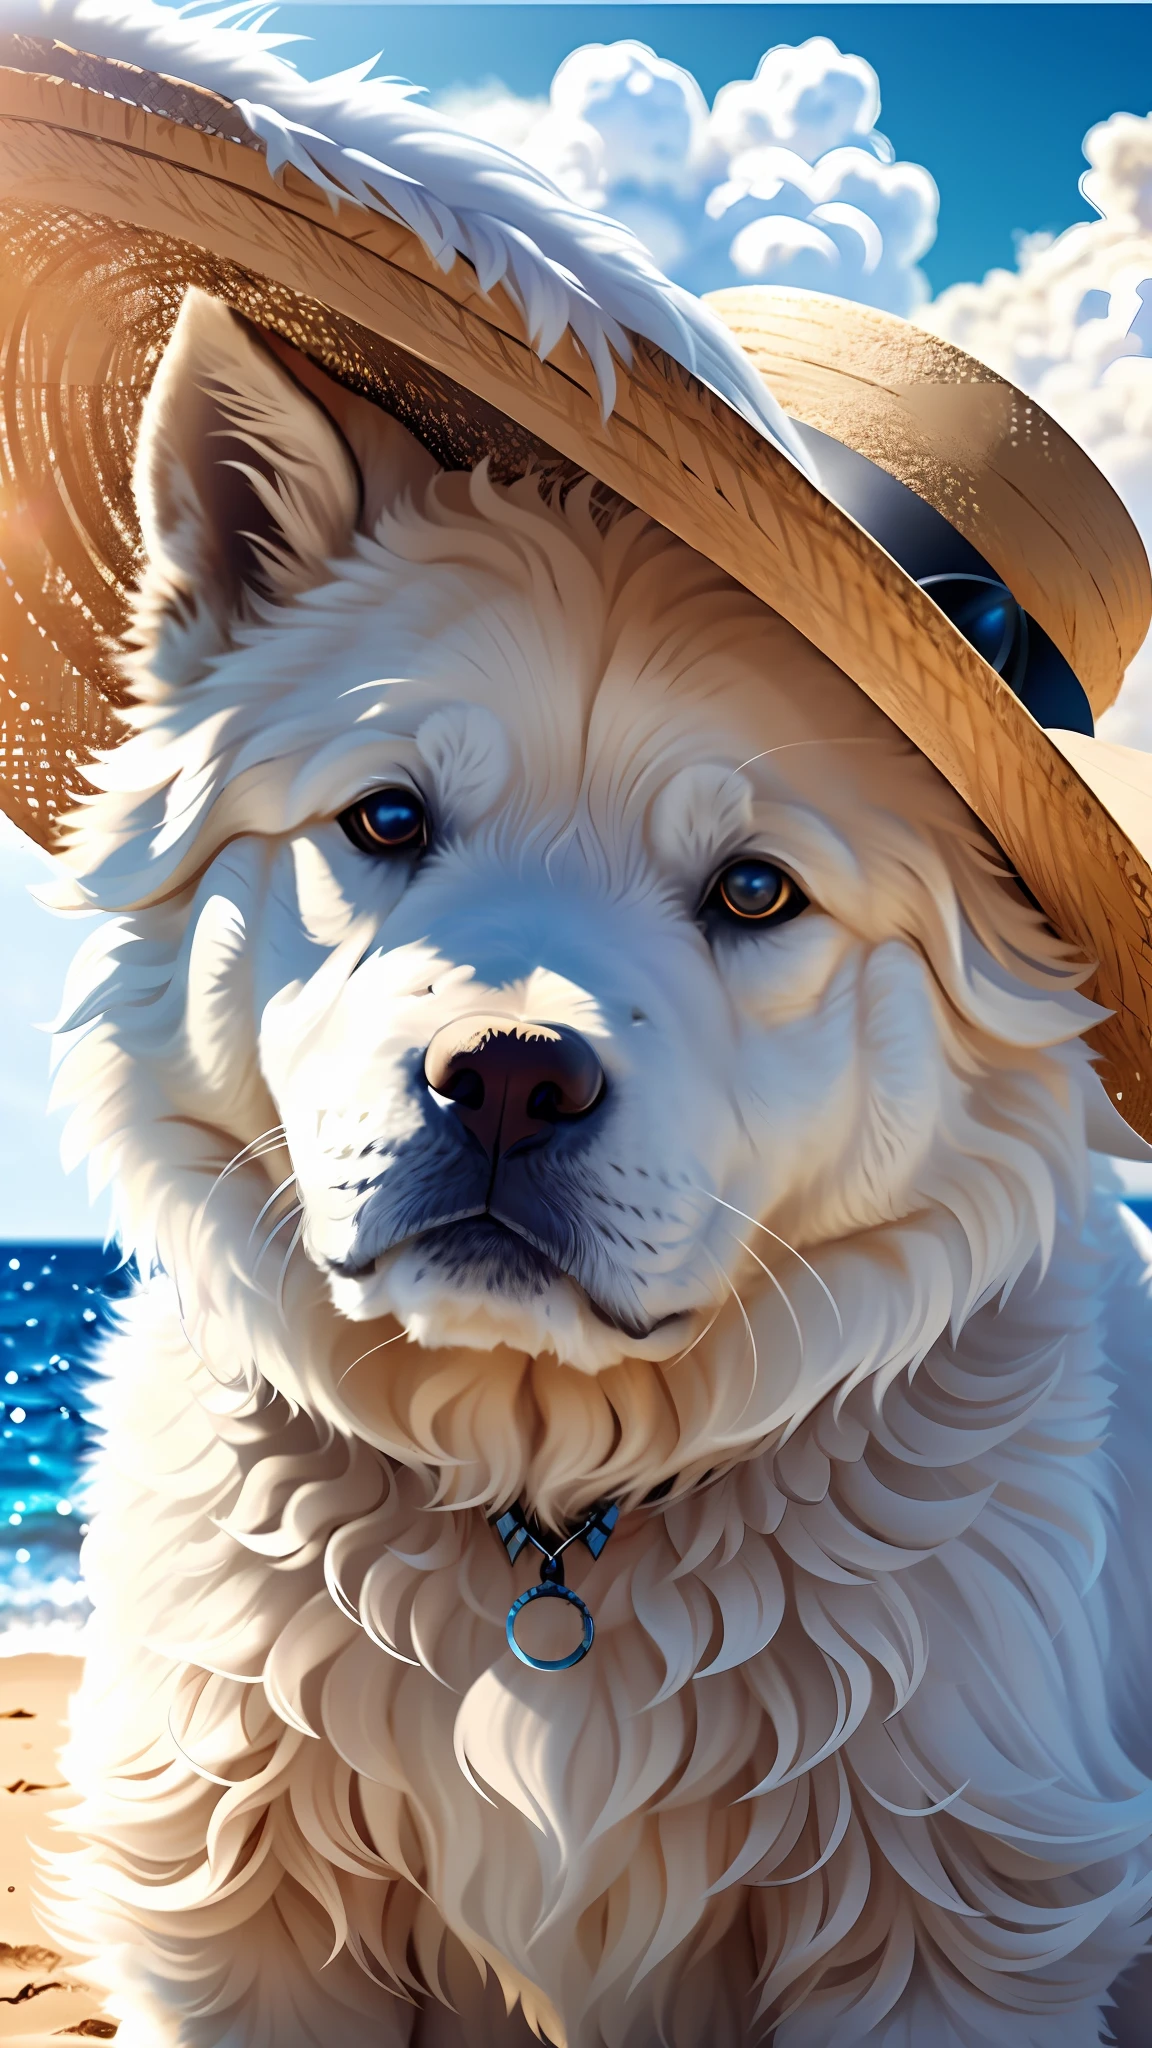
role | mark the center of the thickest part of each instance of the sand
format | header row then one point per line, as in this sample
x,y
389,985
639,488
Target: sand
x,y
42,2000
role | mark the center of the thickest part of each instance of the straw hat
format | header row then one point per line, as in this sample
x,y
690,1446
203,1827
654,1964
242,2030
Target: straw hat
x,y
923,524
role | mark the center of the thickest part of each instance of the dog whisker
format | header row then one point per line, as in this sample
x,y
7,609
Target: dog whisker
x,y
370,1353
273,1135
790,746
698,1338
780,1289
295,1210
783,1242
271,1140
735,1293
293,1215
287,1260
274,1197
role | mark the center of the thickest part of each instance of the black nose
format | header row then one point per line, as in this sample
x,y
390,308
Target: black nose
x,y
510,1079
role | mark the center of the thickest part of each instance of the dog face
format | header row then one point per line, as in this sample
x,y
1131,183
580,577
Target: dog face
x,y
602,953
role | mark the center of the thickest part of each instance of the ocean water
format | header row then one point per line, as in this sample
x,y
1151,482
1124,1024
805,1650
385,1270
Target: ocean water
x,y
57,1302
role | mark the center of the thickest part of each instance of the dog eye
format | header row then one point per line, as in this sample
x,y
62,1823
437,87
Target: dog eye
x,y
755,892
388,821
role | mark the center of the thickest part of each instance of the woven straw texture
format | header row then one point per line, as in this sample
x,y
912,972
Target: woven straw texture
x,y
1001,472
112,210
90,307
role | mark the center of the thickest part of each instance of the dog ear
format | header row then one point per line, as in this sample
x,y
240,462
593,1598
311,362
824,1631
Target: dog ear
x,y
245,489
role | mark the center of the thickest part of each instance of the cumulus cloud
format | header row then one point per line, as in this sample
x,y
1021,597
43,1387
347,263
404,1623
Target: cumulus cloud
x,y
1072,325
785,179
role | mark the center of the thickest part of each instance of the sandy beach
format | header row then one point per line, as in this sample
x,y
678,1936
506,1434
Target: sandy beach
x,y
42,1999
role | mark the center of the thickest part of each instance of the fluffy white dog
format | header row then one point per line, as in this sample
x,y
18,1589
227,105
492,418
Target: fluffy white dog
x,y
559,1045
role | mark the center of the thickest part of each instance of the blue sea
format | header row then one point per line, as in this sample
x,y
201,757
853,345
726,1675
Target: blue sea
x,y
56,1304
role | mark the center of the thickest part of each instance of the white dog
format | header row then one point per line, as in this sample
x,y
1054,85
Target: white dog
x,y
558,1046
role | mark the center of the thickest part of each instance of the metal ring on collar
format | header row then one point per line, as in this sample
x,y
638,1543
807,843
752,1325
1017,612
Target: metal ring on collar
x,y
550,1591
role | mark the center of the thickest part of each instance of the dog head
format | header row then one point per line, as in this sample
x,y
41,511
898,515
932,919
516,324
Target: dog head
x,y
602,973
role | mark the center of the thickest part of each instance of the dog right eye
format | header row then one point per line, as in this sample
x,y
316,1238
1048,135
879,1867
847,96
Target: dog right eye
x,y
754,893
387,821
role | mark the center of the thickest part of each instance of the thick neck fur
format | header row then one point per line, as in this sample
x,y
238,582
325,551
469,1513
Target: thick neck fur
x,y
734,1726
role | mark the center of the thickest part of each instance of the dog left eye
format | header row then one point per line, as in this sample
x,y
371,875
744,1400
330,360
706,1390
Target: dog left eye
x,y
755,892
388,821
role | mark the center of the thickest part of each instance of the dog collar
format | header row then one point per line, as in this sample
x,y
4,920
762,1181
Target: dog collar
x,y
515,1529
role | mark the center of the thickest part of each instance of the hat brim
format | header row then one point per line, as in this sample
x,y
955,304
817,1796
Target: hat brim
x,y
191,206
968,443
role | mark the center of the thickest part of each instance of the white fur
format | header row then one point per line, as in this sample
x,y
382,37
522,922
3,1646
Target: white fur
x,y
853,1754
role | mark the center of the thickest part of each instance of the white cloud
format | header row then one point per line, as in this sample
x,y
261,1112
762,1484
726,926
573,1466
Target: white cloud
x,y
1119,183
491,110
809,100
37,1200
649,118
784,180
1072,325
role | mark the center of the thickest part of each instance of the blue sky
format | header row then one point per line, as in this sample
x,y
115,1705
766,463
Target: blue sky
x,y
993,99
